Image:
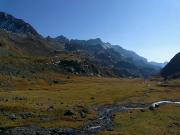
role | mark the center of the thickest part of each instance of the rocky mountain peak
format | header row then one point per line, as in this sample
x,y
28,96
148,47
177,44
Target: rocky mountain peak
x,y
62,39
95,41
14,25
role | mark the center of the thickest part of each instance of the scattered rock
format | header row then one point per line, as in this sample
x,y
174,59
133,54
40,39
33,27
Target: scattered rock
x,y
19,98
142,110
93,98
33,130
13,117
69,113
55,81
25,115
110,129
103,122
68,77
151,108
50,108
83,114
84,109
175,125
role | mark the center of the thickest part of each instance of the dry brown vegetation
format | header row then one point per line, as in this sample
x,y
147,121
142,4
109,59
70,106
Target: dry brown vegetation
x,y
47,97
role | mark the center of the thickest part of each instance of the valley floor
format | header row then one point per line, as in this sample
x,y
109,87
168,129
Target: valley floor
x,y
66,101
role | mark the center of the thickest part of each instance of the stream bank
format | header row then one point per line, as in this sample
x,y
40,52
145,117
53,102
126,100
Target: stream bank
x,y
103,122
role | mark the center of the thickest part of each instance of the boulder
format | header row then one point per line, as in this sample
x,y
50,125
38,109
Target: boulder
x,y
13,117
68,113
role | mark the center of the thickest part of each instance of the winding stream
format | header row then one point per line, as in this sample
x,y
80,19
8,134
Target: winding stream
x,y
103,122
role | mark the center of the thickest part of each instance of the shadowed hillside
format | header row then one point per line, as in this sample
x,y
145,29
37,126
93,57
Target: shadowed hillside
x,y
172,69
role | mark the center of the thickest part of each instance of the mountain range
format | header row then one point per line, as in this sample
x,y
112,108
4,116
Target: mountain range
x,y
87,57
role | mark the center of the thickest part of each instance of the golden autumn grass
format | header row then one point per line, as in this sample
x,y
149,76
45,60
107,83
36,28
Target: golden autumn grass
x,y
75,92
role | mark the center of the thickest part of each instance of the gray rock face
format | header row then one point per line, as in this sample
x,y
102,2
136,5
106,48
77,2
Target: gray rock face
x,y
10,23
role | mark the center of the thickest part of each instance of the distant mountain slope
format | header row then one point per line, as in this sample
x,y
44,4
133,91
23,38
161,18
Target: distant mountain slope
x,y
121,61
19,37
12,24
24,45
162,65
57,43
172,69
87,57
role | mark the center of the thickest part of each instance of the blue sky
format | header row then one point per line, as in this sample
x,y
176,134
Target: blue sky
x,y
149,27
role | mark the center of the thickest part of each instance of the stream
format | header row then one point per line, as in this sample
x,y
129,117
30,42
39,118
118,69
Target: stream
x,y
103,122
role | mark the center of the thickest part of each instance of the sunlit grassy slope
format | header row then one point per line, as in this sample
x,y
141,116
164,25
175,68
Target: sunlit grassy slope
x,y
48,96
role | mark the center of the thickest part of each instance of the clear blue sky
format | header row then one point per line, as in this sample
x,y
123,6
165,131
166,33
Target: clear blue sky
x,y
149,27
